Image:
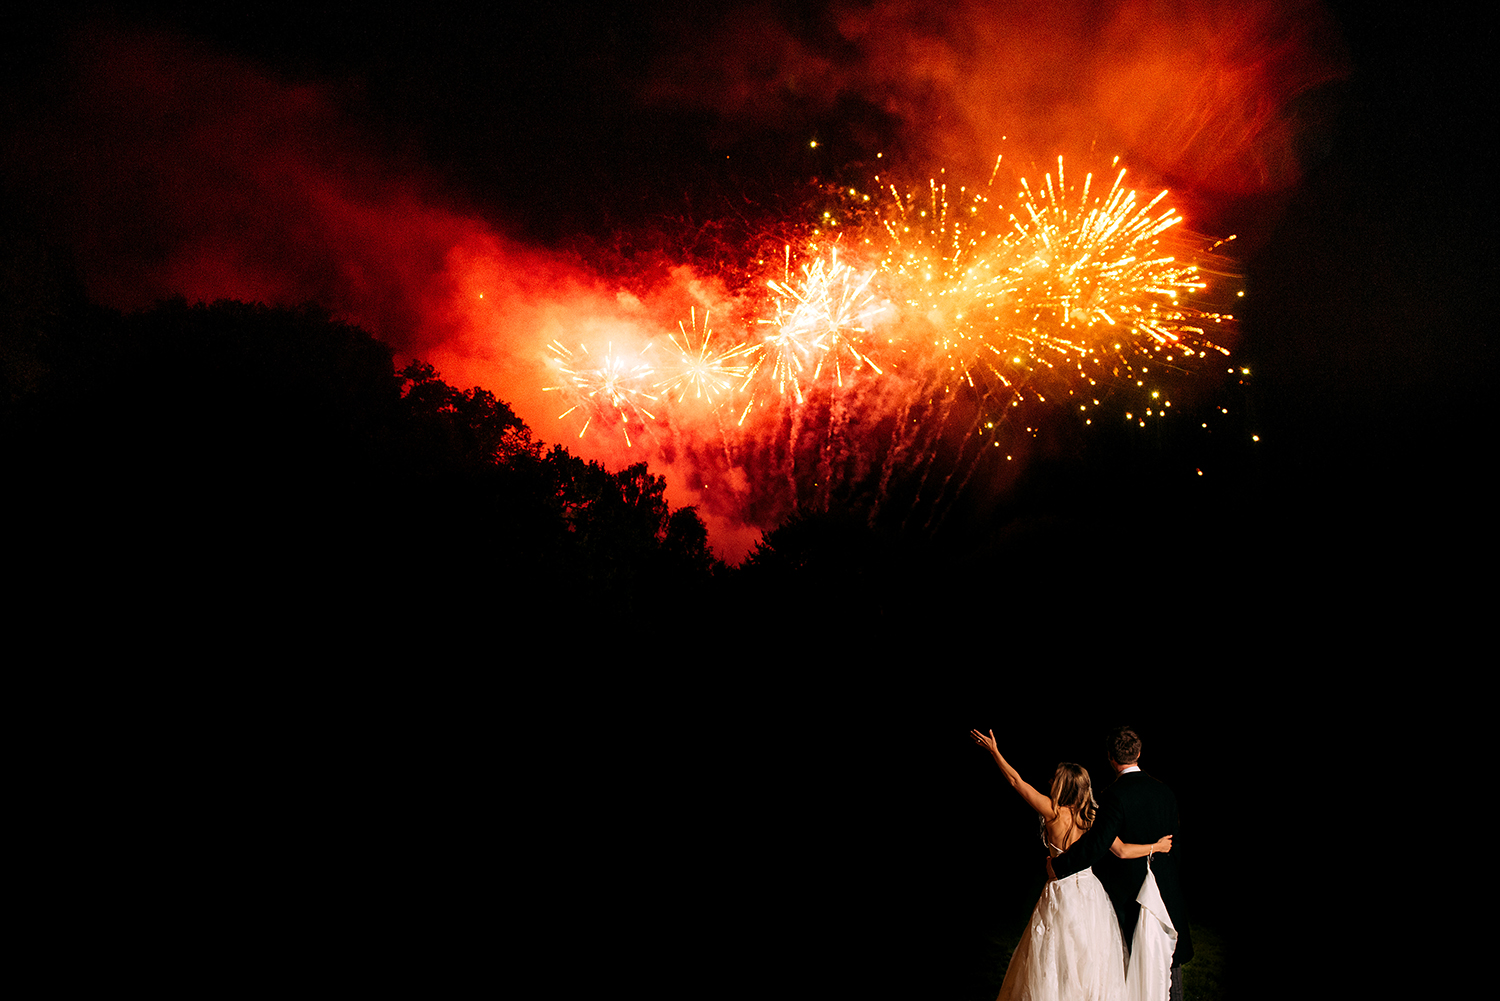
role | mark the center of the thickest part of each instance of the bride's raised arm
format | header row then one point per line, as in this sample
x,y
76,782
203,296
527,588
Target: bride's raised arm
x,y
1136,851
1041,804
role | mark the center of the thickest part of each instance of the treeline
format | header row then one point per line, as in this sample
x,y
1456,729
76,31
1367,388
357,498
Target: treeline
x,y
251,451
199,460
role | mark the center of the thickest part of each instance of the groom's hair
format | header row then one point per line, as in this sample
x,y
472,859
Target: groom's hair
x,y
1124,745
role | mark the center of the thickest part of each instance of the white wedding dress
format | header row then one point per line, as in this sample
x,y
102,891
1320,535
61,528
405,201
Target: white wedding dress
x,y
1149,977
1071,949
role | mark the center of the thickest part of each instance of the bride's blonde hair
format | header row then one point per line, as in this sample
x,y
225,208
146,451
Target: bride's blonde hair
x,y
1071,788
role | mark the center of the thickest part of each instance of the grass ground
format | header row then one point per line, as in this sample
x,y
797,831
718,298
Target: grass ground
x,y
1203,975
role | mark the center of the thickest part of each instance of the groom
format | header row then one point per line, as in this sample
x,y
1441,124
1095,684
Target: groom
x,y
1137,809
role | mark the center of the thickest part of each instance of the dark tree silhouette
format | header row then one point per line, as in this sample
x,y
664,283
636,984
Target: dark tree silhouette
x,y
470,427
231,448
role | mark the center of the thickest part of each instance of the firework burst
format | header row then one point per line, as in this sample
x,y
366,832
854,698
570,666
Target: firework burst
x,y
1069,290
818,322
710,375
920,348
612,389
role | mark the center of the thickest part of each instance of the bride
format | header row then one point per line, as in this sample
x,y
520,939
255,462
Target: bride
x,y
1072,949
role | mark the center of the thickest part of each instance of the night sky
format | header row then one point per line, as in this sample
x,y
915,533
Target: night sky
x,y
375,162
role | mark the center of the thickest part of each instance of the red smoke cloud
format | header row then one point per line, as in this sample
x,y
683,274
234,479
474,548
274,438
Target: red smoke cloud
x,y
1209,92
496,307
205,177
179,171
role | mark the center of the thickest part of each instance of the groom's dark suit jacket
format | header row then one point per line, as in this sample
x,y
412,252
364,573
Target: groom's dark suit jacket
x,y
1138,810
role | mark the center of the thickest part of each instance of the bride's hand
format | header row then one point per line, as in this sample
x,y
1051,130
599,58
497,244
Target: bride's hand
x,y
988,743
1163,846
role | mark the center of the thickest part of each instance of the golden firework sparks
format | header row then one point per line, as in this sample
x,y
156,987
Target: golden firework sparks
x,y
708,374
